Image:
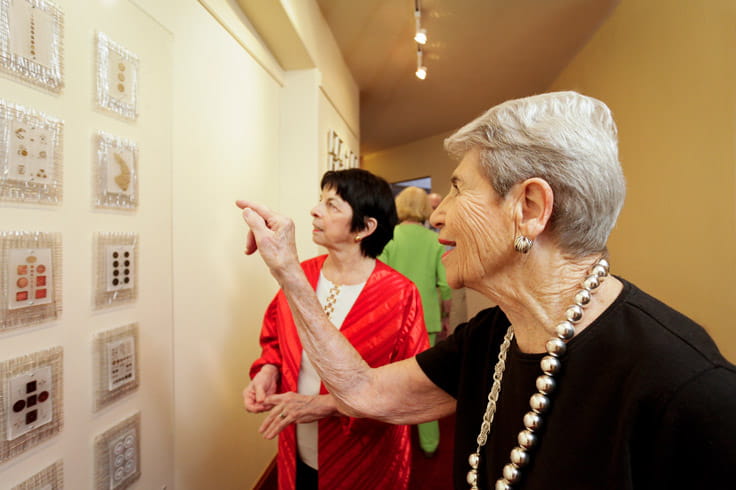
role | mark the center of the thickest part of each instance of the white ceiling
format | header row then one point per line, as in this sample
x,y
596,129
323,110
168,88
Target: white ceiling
x,y
479,53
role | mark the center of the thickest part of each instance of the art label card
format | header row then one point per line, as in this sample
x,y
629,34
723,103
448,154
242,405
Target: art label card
x,y
121,362
30,274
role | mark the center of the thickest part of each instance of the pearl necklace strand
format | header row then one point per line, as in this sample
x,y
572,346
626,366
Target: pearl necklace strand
x,y
545,384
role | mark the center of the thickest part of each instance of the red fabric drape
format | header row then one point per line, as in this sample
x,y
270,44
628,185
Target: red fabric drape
x,y
385,325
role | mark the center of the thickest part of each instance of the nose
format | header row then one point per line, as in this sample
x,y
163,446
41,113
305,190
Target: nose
x,y
437,218
314,212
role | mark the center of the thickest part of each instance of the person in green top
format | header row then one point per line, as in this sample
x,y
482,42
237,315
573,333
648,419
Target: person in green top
x,y
416,253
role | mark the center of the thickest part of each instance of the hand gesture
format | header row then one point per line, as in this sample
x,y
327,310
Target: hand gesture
x,y
264,384
289,408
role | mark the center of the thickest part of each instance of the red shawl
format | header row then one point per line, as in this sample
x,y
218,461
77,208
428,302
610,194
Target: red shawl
x,y
385,325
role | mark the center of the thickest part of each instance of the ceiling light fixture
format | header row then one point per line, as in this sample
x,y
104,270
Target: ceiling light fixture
x,y
421,72
420,37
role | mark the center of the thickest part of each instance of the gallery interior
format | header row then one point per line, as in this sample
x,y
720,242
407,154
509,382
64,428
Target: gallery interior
x,y
147,119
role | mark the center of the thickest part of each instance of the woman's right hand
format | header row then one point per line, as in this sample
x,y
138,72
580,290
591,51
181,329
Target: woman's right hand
x,y
264,383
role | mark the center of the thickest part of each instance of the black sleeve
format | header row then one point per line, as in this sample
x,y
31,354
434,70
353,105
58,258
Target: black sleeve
x,y
695,441
441,362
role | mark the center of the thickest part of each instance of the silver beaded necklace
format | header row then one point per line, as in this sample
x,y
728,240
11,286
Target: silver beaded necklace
x,y
545,384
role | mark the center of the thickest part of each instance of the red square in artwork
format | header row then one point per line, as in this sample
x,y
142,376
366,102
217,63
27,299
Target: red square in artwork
x,y
22,270
40,293
21,296
40,280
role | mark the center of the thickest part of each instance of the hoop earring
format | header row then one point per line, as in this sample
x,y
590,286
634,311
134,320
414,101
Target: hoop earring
x,y
522,244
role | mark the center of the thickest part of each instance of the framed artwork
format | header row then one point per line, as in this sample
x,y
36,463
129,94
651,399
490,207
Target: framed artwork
x,y
31,412
116,268
116,364
50,478
30,278
30,155
116,172
31,42
118,455
117,78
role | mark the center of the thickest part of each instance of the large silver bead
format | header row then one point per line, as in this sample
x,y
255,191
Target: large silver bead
x,y
574,313
526,439
474,460
539,403
532,421
519,457
599,270
591,282
550,365
472,477
565,330
511,473
502,484
546,384
604,263
556,347
583,297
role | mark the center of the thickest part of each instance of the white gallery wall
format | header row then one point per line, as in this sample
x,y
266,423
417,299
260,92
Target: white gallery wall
x,y
219,120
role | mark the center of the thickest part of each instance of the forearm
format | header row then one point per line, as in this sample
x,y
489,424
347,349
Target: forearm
x,y
340,367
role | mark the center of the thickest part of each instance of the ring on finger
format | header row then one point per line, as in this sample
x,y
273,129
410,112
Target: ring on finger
x,y
282,415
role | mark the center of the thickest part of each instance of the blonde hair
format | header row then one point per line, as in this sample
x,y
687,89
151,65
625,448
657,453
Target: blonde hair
x,y
413,204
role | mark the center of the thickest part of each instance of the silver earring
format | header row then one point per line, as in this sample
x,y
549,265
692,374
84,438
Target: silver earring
x,y
522,244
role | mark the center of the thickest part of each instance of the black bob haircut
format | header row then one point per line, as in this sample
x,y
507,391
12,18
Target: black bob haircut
x,y
370,196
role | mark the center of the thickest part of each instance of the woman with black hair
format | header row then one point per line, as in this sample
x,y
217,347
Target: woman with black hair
x,y
376,309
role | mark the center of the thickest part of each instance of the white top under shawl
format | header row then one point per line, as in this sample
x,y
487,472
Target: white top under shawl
x,y
309,382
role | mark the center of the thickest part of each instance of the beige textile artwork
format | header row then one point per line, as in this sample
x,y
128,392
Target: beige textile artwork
x,y
339,155
31,42
116,361
117,455
117,78
32,386
116,172
50,478
30,278
116,268
30,155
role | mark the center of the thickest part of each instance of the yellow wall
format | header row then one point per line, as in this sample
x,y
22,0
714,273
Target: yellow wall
x,y
667,69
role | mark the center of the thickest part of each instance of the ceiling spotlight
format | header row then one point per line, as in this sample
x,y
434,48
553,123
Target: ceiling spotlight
x,y
421,36
421,72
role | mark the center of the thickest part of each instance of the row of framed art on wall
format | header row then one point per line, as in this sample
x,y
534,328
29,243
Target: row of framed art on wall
x,y
31,172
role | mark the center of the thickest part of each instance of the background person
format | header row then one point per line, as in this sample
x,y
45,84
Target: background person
x,y
375,309
577,379
415,252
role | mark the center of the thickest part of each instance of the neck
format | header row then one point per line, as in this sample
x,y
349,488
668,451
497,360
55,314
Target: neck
x,y
347,267
537,289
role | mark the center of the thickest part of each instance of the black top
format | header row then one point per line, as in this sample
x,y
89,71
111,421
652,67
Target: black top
x,y
644,401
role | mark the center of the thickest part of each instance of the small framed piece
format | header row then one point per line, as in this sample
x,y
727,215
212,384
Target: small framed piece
x,y
30,155
31,411
50,478
117,455
31,46
116,364
117,78
117,257
30,278
116,172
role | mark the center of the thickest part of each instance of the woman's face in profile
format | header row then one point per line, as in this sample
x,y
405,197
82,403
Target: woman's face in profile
x,y
331,221
476,221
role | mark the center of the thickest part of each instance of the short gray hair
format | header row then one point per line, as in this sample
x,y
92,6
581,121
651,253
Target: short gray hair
x,y
565,138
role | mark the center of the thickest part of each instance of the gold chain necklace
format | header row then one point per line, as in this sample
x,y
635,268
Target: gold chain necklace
x,y
329,306
545,384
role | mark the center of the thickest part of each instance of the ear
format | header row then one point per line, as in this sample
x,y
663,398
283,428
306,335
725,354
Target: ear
x,y
370,226
534,207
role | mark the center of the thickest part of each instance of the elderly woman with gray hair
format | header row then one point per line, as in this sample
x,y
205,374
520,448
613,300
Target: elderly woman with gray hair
x,y
577,379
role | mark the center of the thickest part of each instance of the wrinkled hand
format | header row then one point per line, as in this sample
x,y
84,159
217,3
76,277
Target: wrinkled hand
x,y
271,234
289,408
264,384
